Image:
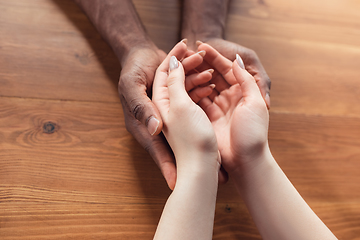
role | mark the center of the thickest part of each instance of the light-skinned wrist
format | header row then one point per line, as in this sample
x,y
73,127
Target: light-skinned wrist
x,y
251,163
256,175
204,178
196,164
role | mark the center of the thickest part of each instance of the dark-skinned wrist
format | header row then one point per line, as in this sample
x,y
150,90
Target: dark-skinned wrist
x,y
126,50
118,23
204,19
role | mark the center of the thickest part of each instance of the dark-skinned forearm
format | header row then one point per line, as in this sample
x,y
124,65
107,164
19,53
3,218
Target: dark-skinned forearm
x,y
118,23
204,19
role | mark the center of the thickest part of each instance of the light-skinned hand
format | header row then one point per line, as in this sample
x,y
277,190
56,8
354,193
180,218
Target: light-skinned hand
x,y
237,112
186,126
142,117
251,62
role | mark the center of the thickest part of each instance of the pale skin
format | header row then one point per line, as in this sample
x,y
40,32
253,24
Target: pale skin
x,y
232,120
120,26
189,211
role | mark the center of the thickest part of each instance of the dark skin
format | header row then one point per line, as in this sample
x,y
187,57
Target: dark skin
x,y
139,57
204,20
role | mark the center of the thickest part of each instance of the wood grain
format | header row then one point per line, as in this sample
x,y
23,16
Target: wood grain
x,y
70,170
309,49
51,51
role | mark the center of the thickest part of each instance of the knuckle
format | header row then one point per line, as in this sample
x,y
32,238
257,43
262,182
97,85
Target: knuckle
x,y
249,52
123,81
194,96
248,55
137,109
172,79
252,55
148,147
132,88
132,112
135,78
129,120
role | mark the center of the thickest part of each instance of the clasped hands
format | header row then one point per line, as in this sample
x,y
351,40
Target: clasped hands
x,y
224,121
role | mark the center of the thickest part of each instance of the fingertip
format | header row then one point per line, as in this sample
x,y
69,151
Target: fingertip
x,y
169,173
179,51
193,61
247,82
201,92
188,53
211,71
171,184
239,61
182,45
201,46
154,125
223,175
214,58
202,53
176,84
238,72
267,100
206,77
173,64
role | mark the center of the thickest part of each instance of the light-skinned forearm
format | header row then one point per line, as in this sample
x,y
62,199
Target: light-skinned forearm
x,y
118,23
189,211
204,19
277,208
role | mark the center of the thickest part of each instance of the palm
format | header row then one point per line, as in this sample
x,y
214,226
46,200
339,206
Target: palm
x,y
231,119
238,123
221,114
251,61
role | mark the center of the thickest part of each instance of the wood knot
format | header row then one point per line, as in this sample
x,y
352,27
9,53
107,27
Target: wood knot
x,y
49,127
227,209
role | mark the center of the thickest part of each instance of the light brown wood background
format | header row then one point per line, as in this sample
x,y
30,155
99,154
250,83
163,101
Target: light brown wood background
x,y
91,180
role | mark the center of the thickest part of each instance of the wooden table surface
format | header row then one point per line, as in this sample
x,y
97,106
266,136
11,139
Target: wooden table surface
x,y
70,170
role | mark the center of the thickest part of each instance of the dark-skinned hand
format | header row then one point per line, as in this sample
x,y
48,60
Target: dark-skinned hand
x,y
135,86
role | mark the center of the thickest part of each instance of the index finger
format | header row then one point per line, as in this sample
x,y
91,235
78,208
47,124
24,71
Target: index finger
x,y
179,51
214,58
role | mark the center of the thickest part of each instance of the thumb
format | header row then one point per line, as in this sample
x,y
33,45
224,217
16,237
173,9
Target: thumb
x,y
136,101
247,82
176,82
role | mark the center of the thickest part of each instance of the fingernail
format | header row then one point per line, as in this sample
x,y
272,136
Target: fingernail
x,y
240,61
184,40
210,70
212,86
153,125
198,43
173,63
202,53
